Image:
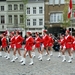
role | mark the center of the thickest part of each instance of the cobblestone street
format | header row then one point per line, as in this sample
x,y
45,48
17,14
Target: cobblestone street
x,y
53,67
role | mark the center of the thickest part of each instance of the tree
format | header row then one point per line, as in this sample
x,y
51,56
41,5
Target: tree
x,y
66,21
24,14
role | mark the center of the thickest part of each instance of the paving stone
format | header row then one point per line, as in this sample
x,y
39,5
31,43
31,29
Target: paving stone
x,y
52,67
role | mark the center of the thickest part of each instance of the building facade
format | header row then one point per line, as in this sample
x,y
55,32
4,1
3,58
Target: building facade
x,y
40,14
15,9
54,10
35,15
3,16
54,14
12,15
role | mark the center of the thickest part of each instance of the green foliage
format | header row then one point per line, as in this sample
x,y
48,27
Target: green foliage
x,y
24,14
66,21
25,1
66,0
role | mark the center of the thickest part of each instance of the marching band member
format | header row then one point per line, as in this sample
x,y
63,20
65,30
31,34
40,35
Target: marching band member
x,y
4,44
0,46
73,48
37,42
33,49
50,44
28,48
11,44
68,44
45,42
61,42
18,46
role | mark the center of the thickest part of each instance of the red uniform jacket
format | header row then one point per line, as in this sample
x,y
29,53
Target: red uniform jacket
x,y
50,41
4,42
18,41
29,43
37,42
61,42
45,40
73,45
12,42
68,41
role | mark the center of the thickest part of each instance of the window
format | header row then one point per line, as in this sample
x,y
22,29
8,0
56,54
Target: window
x,y
51,18
15,7
59,17
62,1
2,19
40,10
73,1
34,10
56,1
28,22
28,10
51,1
40,21
2,8
56,17
9,7
73,14
21,7
21,19
34,22
10,19
2,26
15,19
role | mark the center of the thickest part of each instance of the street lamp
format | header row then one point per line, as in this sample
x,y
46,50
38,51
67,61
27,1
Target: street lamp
x,y
50,25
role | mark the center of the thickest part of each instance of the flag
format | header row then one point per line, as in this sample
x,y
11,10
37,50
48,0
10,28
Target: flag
x,y
70,9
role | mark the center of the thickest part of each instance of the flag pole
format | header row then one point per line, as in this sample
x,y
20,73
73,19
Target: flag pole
x,y
70,13
71,24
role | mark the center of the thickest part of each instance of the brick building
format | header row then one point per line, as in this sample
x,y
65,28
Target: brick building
x,y
54,10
